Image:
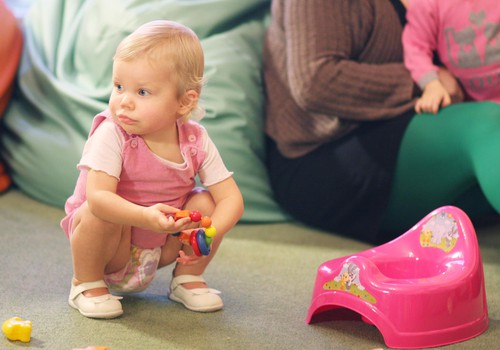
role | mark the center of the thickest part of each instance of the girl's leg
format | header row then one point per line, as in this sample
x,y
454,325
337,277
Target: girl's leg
x,y
97,247
452,158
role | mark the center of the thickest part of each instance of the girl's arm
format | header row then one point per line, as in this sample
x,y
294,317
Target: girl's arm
x,y
228,205
107,205
420,37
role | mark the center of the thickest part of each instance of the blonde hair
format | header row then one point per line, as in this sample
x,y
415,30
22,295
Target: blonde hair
x,y
173,45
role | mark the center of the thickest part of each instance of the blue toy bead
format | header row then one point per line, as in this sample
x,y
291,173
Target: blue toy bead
x,y
202,244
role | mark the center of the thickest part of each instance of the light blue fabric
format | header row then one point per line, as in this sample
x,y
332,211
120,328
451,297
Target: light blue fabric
x,y
65,79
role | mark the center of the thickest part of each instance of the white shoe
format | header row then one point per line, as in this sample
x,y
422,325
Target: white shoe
x,y
197,299
104,306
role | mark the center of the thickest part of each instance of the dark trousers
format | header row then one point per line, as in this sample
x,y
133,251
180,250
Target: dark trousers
x,y
342,186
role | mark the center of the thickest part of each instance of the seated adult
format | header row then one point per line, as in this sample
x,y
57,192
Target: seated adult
x,y
346,153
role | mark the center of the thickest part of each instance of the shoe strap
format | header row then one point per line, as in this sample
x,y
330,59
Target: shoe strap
x,y
82,287
201,291
181,279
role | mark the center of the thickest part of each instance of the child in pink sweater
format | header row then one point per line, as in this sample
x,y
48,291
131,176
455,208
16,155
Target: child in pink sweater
x,y
465,34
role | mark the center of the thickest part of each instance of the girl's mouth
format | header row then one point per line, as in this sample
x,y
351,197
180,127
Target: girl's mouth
x,y
126,120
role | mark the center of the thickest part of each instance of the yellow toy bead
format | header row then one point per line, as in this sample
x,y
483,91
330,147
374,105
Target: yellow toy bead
x,y
210,231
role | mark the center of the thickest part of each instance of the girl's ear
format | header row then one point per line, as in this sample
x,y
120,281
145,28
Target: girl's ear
x,y
188,102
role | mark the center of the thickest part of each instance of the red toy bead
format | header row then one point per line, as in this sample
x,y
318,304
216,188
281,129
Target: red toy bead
x,y
194,243
195,216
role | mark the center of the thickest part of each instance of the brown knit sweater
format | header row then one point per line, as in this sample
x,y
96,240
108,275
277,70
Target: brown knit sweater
x,y
329,65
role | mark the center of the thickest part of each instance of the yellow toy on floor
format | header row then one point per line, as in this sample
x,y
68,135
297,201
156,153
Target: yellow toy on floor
x,y
17,329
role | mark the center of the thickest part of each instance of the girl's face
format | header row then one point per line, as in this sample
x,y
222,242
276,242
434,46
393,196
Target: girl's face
x,y
144,100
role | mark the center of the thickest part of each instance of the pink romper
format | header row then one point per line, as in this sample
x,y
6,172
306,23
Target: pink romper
x,y
145,179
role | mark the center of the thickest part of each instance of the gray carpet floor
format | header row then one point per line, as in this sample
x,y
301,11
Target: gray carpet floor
x,y
265,272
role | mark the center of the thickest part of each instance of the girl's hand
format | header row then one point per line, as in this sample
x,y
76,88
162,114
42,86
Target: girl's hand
x,y
158,218
187,259
451,85
434,97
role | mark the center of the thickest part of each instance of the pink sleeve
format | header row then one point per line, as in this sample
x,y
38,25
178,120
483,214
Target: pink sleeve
x,y
213,170
103,150
420,38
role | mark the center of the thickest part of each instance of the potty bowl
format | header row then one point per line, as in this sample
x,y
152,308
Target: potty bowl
x,y
422,289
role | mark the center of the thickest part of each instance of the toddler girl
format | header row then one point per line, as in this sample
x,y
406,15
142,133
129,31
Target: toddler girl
x,y
138,168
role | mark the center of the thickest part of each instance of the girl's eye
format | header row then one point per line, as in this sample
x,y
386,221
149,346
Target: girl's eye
x,y
143,92
119,87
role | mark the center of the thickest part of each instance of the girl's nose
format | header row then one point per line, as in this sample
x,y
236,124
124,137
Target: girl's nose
x,y
126,101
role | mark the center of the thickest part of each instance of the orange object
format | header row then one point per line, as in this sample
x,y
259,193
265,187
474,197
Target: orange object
x,y
10,54
181,214
5,180
205,221
184,237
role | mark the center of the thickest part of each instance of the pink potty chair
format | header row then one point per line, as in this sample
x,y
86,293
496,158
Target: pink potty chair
x,y
423,289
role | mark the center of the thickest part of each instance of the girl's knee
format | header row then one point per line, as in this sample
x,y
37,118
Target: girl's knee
x,y
85,220
200,200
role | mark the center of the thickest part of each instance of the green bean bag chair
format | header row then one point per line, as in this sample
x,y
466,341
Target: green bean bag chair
x,y
65,79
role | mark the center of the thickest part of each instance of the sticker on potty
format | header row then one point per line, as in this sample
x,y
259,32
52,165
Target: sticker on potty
x,y
348,281
440,231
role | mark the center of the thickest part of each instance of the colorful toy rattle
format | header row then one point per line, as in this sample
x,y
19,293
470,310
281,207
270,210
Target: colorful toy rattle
x,y
199,239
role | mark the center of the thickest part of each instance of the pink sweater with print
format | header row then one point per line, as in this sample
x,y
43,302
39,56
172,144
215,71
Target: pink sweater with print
x,y
466,36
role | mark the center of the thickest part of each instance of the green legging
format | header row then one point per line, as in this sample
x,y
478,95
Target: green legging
x,y
452,158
